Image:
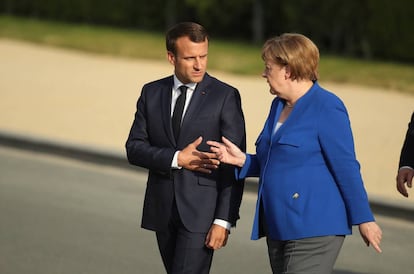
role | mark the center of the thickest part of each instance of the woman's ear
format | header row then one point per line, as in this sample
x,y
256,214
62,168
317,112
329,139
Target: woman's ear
x,y
287,72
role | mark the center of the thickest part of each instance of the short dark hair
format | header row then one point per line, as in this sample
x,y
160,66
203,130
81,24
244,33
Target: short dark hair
x,y
197,33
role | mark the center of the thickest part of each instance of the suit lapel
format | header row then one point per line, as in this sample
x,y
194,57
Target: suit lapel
x,y
166,108
276,115
300,107
199,95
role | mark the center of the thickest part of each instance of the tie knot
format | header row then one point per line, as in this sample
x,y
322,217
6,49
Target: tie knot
x,y
183,89
178,111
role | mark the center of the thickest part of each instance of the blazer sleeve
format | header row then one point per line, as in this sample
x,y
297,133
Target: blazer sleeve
x,y
230,188
407,151
337,144
141,151
251,168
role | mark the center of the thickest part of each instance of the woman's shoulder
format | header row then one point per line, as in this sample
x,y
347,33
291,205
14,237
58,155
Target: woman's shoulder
x,y
327,97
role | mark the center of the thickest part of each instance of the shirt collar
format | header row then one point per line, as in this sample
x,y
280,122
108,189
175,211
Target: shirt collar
x,y
177,84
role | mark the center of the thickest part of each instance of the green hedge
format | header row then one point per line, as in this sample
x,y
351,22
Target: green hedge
x,y
374,29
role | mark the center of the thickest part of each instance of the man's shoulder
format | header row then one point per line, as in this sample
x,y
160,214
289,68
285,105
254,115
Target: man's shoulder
x,y
211,80
166,81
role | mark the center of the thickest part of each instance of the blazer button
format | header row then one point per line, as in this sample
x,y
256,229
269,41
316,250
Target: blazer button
x,y
295,196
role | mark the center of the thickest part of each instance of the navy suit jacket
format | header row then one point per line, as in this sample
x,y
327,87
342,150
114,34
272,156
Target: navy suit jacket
x,y
310,181
214,111
407,151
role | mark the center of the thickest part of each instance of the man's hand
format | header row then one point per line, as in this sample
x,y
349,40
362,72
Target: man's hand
x,y
217,237
192,159
404,176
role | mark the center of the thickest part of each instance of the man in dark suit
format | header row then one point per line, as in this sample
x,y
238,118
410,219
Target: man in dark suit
x,y
406,165
191,201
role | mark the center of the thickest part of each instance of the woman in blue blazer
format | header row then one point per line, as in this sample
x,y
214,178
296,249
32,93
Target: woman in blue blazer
x,y
310,190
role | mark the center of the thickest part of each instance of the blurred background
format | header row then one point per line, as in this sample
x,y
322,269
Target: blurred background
x,y
378,29
72,70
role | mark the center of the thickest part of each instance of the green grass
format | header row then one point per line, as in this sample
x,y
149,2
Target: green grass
x,y
103,40
233,57
385,75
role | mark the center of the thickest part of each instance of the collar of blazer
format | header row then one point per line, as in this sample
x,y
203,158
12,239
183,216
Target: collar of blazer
x,y
200,94
300,106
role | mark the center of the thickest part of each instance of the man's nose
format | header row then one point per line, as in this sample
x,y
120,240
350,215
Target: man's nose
x,y
197,63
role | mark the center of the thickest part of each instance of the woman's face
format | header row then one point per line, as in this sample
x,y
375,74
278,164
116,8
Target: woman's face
x,y
276,77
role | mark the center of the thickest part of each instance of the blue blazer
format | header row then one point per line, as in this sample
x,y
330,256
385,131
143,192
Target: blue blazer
x,y
310,181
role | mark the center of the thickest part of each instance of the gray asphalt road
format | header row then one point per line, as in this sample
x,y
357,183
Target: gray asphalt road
x,y
61,216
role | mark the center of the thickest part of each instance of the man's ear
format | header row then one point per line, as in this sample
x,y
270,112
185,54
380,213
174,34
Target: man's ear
x,y
171,57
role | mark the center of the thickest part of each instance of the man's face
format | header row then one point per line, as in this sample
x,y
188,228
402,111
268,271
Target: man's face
x,y
190,62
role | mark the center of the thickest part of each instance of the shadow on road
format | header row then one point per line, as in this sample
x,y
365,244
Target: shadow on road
x,y
338,271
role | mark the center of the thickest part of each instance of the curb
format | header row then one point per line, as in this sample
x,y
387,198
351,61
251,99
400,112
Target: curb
x,y
101,156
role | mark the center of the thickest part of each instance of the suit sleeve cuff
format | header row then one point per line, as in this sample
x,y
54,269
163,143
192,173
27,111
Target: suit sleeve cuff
x,y
174,163
222,223
241,172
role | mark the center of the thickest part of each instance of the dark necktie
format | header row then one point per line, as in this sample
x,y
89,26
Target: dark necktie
x,y
178,111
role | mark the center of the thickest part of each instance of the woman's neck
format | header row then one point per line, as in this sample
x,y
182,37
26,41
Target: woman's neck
x,y
298,88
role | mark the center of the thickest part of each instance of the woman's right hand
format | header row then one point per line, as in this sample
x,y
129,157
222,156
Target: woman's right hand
x,y
371,233
227,152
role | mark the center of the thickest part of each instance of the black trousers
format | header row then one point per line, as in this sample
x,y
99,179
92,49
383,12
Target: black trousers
x,y
182,251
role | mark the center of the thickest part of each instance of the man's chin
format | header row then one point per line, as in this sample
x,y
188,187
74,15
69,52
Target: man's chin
x,y
197,78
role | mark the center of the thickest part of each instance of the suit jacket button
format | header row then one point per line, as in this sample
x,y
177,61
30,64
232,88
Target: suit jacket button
x,y
295,196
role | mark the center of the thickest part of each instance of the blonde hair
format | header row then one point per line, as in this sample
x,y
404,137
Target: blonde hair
x,y
296,51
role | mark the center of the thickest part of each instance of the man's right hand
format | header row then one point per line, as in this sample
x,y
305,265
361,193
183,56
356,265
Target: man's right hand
x,y
193,159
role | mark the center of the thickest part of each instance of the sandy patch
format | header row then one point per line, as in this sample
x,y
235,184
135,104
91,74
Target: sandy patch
x,y
90,99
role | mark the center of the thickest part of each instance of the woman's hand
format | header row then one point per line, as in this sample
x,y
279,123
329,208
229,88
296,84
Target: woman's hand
x,y
371,234
227,152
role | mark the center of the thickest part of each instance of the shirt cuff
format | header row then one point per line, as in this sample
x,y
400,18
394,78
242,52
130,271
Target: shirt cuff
x,y
174,163
222,223
405,167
